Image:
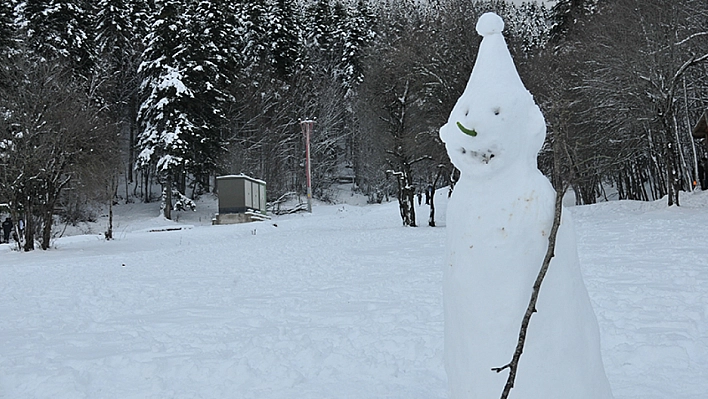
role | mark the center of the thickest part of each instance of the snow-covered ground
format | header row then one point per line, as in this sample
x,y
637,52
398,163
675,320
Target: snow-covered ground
x,y
341,303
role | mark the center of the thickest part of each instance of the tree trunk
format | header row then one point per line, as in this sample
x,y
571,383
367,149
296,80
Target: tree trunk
x,y
410,198
131,140
47,218
146,180
672,177
113,190
167,195
431,218
47,212
109,231
29,226
406,198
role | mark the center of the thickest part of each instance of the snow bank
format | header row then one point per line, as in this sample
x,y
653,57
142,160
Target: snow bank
x,y
343,303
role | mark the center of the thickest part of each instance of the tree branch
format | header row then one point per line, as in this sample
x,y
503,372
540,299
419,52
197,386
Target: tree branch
x,y
531,309
680,42
422,158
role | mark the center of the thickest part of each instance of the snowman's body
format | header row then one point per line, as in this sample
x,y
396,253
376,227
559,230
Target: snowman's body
x,y
498,220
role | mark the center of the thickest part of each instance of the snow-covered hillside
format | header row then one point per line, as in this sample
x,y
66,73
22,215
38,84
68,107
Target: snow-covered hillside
x,y
342,303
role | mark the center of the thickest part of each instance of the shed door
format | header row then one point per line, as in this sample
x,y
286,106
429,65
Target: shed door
x,y
248,194
262,189
256,194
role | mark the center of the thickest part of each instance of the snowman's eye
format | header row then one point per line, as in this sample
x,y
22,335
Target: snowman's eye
x,y
497,111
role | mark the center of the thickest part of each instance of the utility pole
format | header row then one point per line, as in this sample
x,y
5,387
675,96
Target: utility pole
x,y
306,126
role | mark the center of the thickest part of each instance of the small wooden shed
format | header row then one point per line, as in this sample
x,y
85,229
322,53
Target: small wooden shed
x,y
701,128
241,199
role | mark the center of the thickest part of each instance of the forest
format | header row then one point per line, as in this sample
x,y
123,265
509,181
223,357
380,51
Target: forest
x,y
110,101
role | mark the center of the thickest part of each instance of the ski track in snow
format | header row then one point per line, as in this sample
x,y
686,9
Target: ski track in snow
x,y
342,303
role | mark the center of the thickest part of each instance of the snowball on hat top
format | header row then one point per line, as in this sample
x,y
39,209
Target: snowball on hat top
x,y
489,24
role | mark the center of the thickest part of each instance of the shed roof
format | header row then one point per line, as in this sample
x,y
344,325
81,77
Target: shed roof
x,y
241,176
701,128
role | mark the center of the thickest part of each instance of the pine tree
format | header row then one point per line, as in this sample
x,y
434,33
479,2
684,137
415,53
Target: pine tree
x,y
254,22
566,13
188,68
114,29
164,126
358,35
7,26
120,27
61,29
282,37
320,27
209,67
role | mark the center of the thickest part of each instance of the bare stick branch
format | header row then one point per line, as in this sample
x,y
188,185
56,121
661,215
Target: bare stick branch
x,y
531,309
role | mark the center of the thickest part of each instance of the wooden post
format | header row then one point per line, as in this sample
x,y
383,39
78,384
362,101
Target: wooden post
x,y
306,126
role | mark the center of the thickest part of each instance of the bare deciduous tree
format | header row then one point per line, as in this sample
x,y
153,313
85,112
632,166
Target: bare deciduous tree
x,y
53,134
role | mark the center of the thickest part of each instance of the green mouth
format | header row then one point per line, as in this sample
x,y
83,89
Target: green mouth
x,y
469,132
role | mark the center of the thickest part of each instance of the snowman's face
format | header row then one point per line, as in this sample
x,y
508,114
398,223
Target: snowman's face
x,y
486,135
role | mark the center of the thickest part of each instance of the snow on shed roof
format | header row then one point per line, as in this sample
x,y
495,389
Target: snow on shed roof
x,y
241,176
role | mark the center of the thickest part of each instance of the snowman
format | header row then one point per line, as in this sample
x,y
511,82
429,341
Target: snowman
x,y
498,222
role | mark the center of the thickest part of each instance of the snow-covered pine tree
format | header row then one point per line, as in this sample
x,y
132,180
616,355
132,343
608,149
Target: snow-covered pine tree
x,y
7,26
240,44
163,142
118,27
566,13
252,23
282,37
328,51
58,29
114,28
533,27
358,34
188,67
320,26
209,67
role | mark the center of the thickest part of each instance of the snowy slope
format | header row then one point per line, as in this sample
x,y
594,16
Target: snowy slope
x,y
646,269
343,303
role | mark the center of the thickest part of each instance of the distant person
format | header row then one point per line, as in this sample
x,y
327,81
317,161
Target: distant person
x,y
703,172
420,197
6,230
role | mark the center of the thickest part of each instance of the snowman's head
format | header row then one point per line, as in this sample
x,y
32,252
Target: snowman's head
x,y
495,125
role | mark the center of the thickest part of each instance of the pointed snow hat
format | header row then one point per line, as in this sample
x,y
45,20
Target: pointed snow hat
x,y
494,65
495,123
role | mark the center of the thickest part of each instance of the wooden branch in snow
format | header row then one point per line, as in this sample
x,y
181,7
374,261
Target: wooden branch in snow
x,y
531,309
